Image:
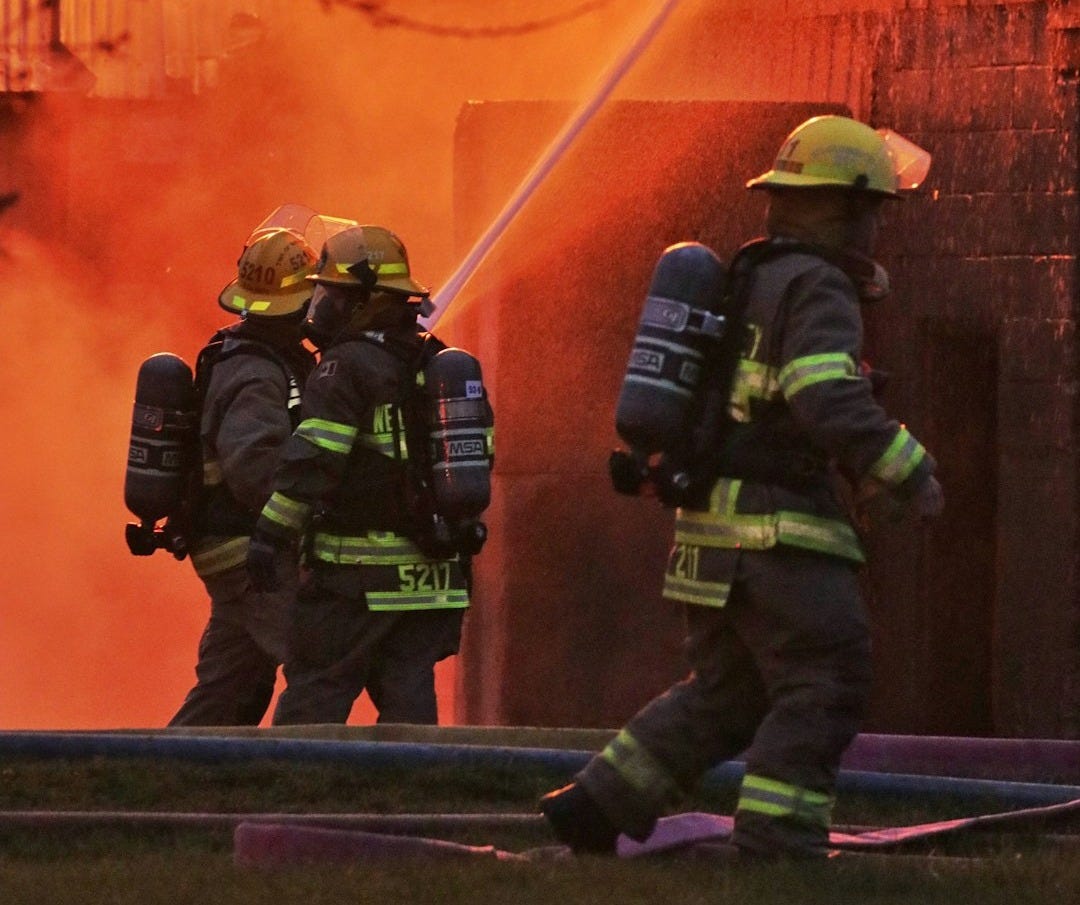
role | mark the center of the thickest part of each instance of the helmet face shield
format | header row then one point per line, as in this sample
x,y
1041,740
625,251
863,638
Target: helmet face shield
x,y
910,162
314,227
840,152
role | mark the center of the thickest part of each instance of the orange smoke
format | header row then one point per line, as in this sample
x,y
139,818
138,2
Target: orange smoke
x,y
131,217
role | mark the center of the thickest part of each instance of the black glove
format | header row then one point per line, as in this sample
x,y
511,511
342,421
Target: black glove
x,y
929,499
628,471
262,560
469,537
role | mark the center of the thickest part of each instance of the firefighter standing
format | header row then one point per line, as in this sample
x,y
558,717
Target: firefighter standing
x,y
765,558
376,613
249,410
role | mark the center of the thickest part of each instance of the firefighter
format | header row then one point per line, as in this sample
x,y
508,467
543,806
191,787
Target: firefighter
x,y
765,556
376,612
254,371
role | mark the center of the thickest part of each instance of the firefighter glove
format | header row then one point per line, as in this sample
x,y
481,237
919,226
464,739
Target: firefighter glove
x,y
929,499
262,564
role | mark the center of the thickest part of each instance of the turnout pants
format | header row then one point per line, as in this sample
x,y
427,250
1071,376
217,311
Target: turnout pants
x,y
782,672
240,650
339,648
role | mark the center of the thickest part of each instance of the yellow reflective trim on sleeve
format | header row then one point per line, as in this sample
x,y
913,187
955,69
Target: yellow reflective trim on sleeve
x,y
799,373
329,435
287,512
219,557
899,460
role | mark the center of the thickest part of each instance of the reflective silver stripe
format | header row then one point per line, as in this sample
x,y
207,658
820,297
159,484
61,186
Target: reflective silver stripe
x,y
294,393
383,443
286,512
899,460
328,435
799,373
219,557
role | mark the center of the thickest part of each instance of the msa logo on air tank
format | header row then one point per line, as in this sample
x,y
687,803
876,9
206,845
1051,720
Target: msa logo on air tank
x,y
467,449
647,360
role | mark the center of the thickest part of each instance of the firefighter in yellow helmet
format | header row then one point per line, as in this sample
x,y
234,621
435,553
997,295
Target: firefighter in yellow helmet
x,y
383,602
765,555
249,379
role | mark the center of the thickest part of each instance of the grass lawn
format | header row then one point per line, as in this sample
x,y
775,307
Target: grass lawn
x,y
149,864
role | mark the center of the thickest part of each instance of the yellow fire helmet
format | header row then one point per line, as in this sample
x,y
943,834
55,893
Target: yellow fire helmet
x,y
271,275
368,256
842,152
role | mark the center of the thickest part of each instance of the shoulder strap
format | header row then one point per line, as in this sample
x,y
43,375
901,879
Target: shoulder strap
x,y
722,364
214,351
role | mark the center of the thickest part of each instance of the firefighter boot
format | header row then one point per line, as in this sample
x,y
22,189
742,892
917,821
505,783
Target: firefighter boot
x,y
578,822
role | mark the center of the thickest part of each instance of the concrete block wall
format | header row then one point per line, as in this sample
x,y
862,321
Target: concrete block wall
x,y
987,254
976,618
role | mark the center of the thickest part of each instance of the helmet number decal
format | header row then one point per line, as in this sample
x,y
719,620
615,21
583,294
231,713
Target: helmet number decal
x,y
258,274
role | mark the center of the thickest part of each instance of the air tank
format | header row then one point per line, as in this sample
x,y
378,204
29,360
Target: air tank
x,y
459,419
163,438
680,321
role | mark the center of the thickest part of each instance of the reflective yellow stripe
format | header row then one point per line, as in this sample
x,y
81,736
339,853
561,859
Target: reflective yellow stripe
x,y
752,380
211,473
799,373
300,276
238,301
399,267
383,443
641,770
773,798
696,591
825,535
286,512
899,460
372,549
328,435
721,526
219,557
382,601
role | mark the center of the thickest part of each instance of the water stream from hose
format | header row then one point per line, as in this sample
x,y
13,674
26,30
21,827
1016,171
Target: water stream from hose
x,y
442,299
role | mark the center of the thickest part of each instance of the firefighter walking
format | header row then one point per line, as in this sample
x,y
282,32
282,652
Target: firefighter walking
x,y
385,600
765,556
252,374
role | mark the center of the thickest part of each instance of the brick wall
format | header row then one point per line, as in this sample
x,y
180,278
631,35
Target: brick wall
x,y
976,620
